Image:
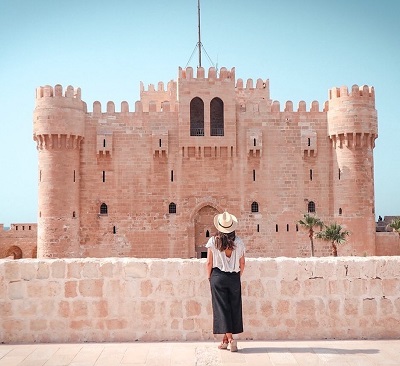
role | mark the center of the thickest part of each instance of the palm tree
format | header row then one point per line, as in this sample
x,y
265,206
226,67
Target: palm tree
x,y
395,225
309,223
335,234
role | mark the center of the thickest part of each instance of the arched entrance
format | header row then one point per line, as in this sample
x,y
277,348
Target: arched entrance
x,y
203,229
14,252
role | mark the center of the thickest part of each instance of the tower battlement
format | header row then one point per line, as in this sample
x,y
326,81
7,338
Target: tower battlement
x,y
58,119
352,118
365,91
48,91
224,74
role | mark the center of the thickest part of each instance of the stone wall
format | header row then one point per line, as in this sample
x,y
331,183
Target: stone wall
x,y
387,243
19,241
126,299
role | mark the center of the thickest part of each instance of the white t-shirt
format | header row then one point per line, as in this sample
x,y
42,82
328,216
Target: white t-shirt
x,y
221,261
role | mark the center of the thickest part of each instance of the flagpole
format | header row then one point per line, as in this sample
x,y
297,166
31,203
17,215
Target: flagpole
x,y
199,43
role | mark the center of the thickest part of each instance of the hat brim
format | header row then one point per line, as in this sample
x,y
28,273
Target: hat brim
x,y
224,229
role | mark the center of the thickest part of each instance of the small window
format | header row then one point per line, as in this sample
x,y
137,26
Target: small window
x,y
207,234
287,227
172,208
309,142
104,142
254,207
297,227
172,175
104,176
311,173
340,172
30,227
255,142
258,228
23,227
276,228
114,230
74,176
103,209
254,175
311,206
16,228
340,211
159,142
73,214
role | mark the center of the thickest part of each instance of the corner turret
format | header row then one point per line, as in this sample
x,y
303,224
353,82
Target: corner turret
x,y
58,129
353,128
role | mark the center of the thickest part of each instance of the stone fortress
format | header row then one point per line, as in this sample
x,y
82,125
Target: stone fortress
x,y
147,182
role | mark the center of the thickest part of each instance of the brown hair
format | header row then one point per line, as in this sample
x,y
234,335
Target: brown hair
x,y
225,241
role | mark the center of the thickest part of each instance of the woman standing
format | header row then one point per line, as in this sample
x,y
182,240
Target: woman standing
x,y
225,265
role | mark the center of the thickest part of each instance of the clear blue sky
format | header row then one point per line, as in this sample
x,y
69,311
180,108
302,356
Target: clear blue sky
x,y
108,47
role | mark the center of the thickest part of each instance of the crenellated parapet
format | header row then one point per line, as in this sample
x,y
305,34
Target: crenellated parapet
x,y
253,97
223,75
352,117
58,118
159,96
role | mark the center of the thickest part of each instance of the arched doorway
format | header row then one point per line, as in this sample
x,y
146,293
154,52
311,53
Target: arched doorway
x,y
14,252
203,229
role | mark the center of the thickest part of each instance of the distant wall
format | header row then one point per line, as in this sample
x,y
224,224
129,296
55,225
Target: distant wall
x,y
20,238
77,300
387,243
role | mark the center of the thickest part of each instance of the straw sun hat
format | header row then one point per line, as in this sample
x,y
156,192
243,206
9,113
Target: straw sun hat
x,y
225,222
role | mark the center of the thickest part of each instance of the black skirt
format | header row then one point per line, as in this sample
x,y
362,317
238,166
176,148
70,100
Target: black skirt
x,y
226,296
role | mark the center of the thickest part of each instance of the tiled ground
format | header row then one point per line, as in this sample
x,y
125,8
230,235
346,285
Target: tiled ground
x,y
268,353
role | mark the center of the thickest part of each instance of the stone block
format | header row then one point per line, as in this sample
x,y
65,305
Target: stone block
x,y
58,269
43,271
70,289
28,271
16,290
79,309
38,325
90,270
135,270
193,308
91,288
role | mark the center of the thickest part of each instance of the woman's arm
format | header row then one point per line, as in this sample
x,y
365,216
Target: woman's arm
x,y
242,263
209,263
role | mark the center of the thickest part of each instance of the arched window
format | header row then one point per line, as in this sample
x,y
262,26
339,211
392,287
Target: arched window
x,y
217,117
340,211
311,206
207,234
196,117
172,208
254,207
103,209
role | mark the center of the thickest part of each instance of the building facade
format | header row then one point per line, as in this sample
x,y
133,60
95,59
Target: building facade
x,y
147,182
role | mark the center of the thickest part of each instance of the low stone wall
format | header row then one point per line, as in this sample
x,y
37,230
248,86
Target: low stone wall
x,y
125,299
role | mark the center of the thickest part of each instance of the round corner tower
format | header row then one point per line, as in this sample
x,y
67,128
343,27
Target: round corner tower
x,y
353,128
58,129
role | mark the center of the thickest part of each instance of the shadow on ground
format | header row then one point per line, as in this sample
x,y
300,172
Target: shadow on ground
x,y
316,350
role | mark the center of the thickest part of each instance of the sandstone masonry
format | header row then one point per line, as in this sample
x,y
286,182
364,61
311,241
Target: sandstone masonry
x,y
147,182
121,299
